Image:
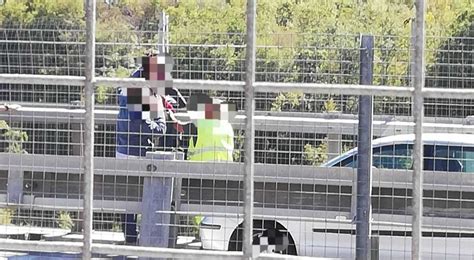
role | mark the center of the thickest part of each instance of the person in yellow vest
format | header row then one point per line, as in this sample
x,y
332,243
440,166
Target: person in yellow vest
x,y
214,140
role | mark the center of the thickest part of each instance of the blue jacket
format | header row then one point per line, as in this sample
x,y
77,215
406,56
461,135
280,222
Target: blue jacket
x,y
133,136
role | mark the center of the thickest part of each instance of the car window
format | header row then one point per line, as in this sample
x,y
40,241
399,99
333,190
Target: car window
x,y
397,156
385,157
443,158
468,159
350,161
436,158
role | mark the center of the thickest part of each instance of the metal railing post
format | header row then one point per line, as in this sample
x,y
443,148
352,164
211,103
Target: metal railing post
x,y
249,129
88,159
364,167
418,113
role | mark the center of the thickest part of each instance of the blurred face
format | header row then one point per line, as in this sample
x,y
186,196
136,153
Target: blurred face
x,y
147,103
143,104
158,68
202,106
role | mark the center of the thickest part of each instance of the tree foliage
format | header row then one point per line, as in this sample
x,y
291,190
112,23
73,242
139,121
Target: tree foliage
x,y
312,40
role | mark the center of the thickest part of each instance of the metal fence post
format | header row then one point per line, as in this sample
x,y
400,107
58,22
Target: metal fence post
x,y
162,32
364,165
88,159
249,129
418,112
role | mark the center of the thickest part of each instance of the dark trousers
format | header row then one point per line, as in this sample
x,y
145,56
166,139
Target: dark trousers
x,y
129,227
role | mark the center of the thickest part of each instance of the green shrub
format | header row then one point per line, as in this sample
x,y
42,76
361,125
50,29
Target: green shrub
x,y
116,227
14,138
65,221
6,216
196,222
287,101
315,155
330,105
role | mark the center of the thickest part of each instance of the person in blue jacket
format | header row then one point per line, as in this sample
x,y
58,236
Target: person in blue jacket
x,y
134,139
135,136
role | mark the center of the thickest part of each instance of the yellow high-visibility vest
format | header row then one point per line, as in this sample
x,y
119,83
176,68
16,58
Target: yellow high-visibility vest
x,y
215,141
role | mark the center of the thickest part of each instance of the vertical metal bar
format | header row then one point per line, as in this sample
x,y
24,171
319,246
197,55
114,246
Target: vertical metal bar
x,y
418,112
374,248
364,161
249,129
412,52
88,159
167,33
161,33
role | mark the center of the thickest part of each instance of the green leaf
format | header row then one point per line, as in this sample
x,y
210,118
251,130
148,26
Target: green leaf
x,y
4,125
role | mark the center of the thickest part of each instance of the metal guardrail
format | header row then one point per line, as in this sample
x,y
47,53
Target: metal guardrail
x,y
265,121
268,87
234,171
284,174
76,247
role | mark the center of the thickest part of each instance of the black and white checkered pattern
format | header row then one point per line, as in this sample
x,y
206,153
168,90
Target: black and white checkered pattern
x,y
270,241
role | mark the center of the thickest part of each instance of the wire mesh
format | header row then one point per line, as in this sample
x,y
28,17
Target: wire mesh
x,y
311,206
330,59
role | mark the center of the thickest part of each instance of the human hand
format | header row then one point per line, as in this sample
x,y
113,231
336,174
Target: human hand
x,y
156,125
